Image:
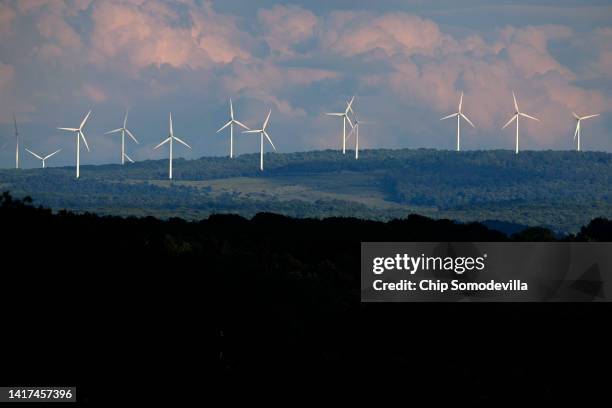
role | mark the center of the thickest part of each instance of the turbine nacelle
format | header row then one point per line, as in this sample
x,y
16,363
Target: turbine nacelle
x,y
459,115
79,136
262,132
123,130
170,139
43,159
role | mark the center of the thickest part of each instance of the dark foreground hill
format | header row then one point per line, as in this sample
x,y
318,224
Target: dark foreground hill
x,y
136,309
559,190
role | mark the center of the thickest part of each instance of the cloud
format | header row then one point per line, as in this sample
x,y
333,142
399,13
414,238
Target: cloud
x,y
407,71
7,16
94,93
154,33
285,27
351,33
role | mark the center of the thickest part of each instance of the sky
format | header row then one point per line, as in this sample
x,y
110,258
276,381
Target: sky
x,y
405,61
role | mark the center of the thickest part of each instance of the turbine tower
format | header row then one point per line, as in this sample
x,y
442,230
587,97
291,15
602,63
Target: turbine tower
x,y
123,131
16,143
345,117
171,138
79,135
459,114
43,159
579,119
262,132
231,123
355,130
517,114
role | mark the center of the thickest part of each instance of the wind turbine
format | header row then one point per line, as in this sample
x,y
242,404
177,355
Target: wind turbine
x,y
79,134
578,120
231,123
459,114
262,132
345,117
43,158
517,114
171,138
16,143
355,130
123,131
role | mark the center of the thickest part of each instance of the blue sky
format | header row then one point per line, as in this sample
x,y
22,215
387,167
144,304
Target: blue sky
x,y
406,62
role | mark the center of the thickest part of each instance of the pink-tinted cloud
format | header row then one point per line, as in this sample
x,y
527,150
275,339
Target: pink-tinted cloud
x,y
94,93
7,16
353,33
149,33
286,26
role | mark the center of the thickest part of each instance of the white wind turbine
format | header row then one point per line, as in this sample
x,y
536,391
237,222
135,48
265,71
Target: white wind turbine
x,y
262,132
231,123
79,135
459,114
345,117
171,138
16,143
355,130
579,119
517,114
43,159
123,131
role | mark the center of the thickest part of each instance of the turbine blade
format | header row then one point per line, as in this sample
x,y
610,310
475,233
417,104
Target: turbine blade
x,y
515,103
575,115
589,116
132,136
33,154
252,131
69,129
577,128
114,131
180,141
468,121
351,132
269,140
335,114
162,143
527,116
349,106
349,120
452,115
171,132
84,140
125,118
224,126
241,124
231,109
53,154
85,120
510,121
128,157
460,101
266,121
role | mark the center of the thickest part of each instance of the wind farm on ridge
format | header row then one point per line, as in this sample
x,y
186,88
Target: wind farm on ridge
x,y
348,116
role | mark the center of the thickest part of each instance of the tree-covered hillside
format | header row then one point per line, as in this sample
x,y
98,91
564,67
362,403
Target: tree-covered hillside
x,y
560,190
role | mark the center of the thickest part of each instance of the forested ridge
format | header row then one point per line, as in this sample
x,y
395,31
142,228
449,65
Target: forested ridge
x,y
561,190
